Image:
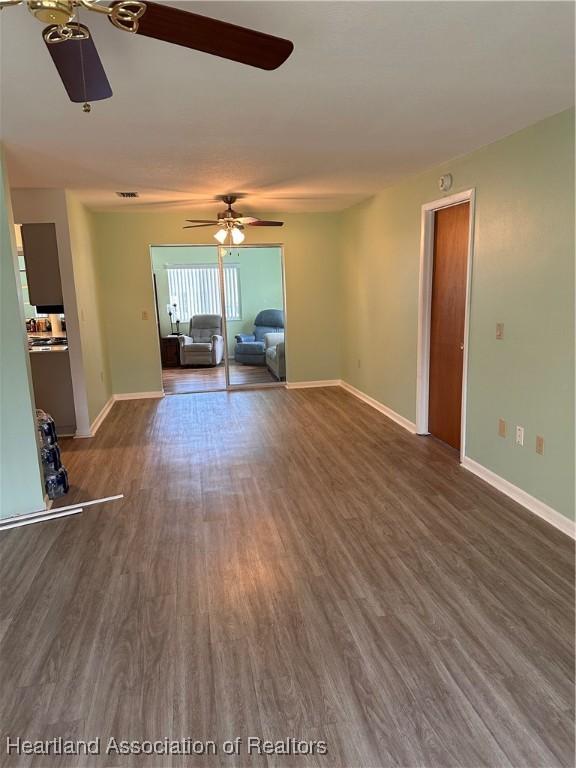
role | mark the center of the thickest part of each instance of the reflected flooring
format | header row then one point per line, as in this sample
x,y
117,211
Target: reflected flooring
x,y
287,563
176,381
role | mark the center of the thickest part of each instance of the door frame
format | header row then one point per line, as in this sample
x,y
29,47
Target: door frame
x,y
425,308
220,249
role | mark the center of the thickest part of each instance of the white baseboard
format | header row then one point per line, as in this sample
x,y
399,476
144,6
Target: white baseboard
x,y
97,423
139,395
401,420
522,497
311,384
95,426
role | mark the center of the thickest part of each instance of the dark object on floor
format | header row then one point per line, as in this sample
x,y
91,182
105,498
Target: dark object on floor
x,y
55,475
57,484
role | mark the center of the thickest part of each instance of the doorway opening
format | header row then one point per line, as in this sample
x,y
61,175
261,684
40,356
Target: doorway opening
x,y
444,298
220,314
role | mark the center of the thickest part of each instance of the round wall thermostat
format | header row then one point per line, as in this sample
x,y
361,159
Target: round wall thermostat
x,y
445,182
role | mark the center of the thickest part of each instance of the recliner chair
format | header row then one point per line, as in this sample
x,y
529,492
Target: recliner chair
x,y
250,348
205,344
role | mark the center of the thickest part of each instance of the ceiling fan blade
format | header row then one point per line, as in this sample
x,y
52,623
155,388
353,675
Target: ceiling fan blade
x,y
246,220
70,58
262,223
9,3
229,41
194,226
202,221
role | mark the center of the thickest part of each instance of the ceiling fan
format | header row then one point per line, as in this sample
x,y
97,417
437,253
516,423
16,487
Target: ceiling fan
x,y
231,222
73,51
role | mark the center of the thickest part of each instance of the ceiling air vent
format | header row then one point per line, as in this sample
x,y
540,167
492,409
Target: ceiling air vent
x,y
128,194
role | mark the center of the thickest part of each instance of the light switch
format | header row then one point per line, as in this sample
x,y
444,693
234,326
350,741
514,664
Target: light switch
x,y
519,435
144,315
499,331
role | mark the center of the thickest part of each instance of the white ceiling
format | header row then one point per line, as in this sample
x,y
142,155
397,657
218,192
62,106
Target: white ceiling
x,y
374,91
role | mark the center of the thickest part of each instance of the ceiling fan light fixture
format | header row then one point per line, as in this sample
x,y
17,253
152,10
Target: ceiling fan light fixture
x,y
237,236
221,235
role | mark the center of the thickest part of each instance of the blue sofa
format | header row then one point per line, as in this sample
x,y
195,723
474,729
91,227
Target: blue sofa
x,y
250,348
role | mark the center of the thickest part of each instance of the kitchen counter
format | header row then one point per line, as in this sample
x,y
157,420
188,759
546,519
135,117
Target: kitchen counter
x,y
47,337
52,382
34,350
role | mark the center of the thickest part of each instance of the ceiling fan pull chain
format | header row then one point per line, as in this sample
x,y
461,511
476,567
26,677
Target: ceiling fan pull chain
x,y
86,107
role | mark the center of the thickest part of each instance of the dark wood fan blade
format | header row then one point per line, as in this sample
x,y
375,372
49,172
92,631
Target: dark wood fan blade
x,y
194,226
247,46
202,221
261,223
72,58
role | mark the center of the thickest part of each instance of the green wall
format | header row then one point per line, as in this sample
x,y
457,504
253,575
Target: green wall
x,y
260,277
522,275
312,273
21,488
89,306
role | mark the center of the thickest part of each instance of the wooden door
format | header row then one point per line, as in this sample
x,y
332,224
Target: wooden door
x,y
447,322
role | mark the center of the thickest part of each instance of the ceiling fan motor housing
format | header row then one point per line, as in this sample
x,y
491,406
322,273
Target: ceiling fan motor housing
x,y
229,214
58,12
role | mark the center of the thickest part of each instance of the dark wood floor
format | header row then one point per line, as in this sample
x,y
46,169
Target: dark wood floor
x,y
288,563
178,381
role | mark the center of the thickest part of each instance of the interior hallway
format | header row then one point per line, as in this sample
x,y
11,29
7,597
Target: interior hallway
x,y
288,563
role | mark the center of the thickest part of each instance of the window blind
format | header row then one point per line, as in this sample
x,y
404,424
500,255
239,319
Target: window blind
x,y
196,290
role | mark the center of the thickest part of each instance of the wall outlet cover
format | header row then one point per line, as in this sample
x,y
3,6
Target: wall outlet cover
x,y
501,428
539,444
499,331
519,435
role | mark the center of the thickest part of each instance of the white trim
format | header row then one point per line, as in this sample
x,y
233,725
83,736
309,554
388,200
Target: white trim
x,y
91,503
139,395
531,503
312,384
425,306
48,514
36,517
401,420
97,423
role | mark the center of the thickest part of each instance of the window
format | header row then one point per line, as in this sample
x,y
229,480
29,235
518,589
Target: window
x,y
195,289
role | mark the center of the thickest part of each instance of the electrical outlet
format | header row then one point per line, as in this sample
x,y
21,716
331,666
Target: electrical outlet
x,y
499,331
501,428
539,444
519,435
